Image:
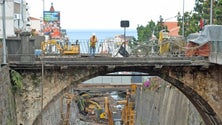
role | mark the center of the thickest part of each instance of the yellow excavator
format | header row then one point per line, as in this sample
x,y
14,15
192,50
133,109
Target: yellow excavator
x,y
86,106
89,106
62,47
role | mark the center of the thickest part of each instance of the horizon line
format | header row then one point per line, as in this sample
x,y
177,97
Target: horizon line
x,y
98,29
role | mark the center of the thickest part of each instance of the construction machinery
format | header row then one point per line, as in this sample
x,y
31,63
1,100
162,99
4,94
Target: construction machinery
x,y
128,112
65,117
60,47
90,108
109,113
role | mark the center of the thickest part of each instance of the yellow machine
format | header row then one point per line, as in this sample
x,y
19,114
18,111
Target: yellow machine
x,y
93,107
71,49
59,47
86,106
108,112
128,112
90,106
65,115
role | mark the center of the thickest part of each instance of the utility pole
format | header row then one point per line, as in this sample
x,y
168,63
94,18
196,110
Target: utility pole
x,y
211,11
183,21
4,32
42,94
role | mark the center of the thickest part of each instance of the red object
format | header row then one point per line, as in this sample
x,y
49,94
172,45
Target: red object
x,y
201,24
203,50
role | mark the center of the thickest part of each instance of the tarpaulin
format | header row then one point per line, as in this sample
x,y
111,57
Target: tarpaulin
x,y
209,33
199,43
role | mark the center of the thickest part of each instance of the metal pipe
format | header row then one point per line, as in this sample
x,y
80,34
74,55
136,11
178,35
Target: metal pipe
x,y
43,8
211,11
22,15
183,21
42,93
4,32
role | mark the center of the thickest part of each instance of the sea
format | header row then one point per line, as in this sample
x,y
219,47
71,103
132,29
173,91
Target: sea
x,y
82,34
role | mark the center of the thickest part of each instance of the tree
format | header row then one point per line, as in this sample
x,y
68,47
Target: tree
x,y
146,32
201,12
217,12
191,23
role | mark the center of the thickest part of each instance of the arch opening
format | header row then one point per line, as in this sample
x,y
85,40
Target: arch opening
x,y
206,112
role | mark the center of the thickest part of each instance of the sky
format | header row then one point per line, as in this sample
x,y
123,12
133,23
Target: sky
x,y
107,14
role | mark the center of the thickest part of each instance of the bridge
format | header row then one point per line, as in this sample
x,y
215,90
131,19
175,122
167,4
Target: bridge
x,y
198,78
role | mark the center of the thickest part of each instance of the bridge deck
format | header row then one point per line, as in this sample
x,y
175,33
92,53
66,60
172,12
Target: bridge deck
x,y
104,61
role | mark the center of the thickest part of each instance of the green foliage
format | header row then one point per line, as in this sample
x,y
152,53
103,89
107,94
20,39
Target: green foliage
x,y
191,20
10,122
145,32
201,10
16,79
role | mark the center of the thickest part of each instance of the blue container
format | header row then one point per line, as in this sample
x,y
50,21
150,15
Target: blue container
x,y
38,52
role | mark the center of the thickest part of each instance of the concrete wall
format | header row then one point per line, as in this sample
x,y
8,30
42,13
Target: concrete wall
x,y
203,87
163,104
38,40
18,47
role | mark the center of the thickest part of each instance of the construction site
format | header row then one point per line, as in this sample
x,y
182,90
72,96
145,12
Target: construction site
x,y
153,102
100,105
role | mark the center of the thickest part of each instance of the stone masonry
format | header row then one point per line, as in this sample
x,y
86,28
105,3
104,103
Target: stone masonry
x,y
7,102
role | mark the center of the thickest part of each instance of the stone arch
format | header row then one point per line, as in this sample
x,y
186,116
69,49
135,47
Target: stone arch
x,y
207,113
205,110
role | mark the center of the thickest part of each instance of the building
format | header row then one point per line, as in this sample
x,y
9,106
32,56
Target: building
x,y
36,23
173,28
16,17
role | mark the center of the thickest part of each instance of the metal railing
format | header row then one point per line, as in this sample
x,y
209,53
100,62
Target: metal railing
x,y
111,48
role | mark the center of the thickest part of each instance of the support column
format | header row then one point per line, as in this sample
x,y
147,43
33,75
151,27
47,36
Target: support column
x,y
25,44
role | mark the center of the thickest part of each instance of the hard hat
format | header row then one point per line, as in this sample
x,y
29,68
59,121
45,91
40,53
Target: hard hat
x,y
93,34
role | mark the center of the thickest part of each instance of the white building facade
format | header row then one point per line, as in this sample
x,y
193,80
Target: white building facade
x,y
16,17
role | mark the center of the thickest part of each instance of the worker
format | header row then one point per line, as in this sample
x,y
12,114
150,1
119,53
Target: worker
x,y
93,41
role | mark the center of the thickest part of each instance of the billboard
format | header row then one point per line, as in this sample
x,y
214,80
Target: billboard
x,y
52,24
51,16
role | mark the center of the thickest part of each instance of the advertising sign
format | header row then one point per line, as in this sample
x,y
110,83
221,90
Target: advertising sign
x,y
51,16
52,24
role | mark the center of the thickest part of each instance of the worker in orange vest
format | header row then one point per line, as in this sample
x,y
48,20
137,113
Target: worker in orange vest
x,y
93,41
